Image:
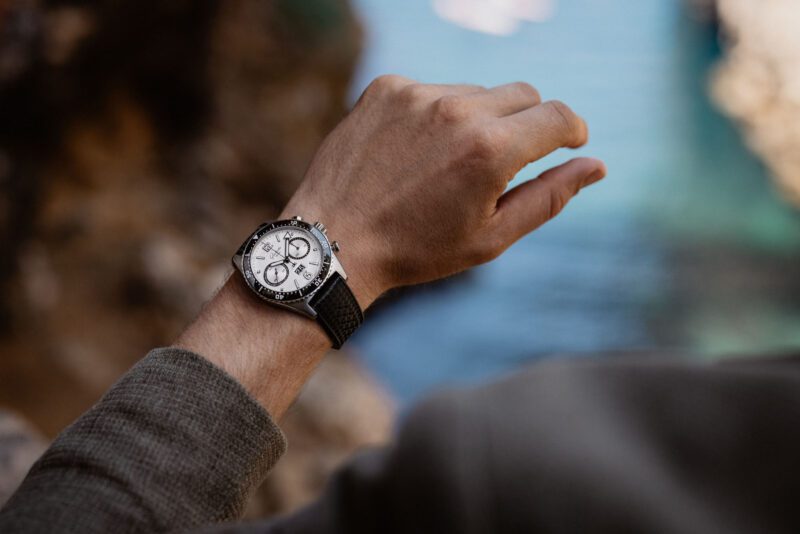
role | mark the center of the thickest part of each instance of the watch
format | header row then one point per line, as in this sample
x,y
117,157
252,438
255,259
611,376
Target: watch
x,y
291,264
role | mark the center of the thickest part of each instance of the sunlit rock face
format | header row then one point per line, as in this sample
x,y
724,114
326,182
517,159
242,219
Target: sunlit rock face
x,y
139,143
758,82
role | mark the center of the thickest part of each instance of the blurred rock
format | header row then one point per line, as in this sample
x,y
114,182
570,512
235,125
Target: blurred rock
x,y
703,10
20,446
758,82
139,143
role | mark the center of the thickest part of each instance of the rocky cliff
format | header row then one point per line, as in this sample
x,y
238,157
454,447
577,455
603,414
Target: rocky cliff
x,y
758,82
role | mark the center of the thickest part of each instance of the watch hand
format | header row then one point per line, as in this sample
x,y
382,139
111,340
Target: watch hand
x,y
281,255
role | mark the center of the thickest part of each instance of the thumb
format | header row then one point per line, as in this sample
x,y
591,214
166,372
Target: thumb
x,y
531,204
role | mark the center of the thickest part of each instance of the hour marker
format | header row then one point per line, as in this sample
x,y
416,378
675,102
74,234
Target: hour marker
x,y
313,263
260,258
296,285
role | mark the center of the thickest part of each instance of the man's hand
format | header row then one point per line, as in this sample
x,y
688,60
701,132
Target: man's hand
x,y
413,184
413,181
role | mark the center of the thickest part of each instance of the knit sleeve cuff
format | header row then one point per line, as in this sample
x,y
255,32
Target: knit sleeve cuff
x,y
174,444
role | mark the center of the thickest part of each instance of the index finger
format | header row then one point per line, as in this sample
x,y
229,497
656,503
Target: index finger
x,y
538,131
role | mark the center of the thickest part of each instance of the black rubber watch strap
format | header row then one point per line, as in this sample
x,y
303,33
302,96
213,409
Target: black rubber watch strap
x,y
337,310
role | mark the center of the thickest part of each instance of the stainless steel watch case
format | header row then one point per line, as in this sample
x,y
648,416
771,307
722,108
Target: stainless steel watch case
x,y
298,300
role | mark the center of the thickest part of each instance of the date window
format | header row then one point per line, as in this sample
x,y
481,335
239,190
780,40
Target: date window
x,y
300,269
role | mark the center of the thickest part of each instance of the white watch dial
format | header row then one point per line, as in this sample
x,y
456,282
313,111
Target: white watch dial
x,y
286,259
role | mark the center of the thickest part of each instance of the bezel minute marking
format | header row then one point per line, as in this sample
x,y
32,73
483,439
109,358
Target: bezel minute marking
x,y
289,296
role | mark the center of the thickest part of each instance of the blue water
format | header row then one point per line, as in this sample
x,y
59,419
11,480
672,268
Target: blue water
x,y
685,244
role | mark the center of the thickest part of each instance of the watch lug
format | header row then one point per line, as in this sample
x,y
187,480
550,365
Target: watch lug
x,y
237,262
336,267
300,306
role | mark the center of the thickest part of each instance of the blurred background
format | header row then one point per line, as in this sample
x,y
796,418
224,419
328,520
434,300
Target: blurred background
x,y
140,142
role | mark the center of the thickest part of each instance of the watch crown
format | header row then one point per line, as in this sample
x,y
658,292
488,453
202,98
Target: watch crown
x,y
321,227
335,246
297,218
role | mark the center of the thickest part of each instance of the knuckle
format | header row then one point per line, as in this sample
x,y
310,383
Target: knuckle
x,y
384,84
568,122
527,90
487,143
451,108
414,93
557,201
485,251
470,88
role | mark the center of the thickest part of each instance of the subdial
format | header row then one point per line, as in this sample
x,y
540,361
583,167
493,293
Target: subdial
x,y
276,274
298,248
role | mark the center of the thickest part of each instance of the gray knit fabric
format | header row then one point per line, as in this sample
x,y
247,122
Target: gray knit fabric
x,y
601,445
174,444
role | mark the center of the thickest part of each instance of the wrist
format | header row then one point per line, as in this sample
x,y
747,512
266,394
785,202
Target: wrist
x,y
269,351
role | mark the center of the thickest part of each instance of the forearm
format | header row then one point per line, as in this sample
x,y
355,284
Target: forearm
x,y
271,352
178,442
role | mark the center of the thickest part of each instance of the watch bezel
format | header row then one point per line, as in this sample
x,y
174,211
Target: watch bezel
x,y
290,296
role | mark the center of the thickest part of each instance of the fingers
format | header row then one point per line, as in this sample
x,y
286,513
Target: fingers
x,y
506,99
531,204
539,130
459,89
426,93
413,91
523,129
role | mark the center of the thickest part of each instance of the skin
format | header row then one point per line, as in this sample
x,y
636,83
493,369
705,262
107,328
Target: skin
x,y
413,186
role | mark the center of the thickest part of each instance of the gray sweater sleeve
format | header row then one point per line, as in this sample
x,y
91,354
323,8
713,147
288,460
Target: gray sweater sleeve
x,y
618,445
176,443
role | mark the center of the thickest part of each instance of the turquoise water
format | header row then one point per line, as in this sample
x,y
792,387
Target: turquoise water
x,y
685,244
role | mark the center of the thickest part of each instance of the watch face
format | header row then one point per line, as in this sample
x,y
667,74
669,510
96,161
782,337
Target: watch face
x,y
286,260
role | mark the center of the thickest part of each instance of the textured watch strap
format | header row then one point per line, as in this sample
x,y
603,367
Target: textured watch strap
x,y
337,310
